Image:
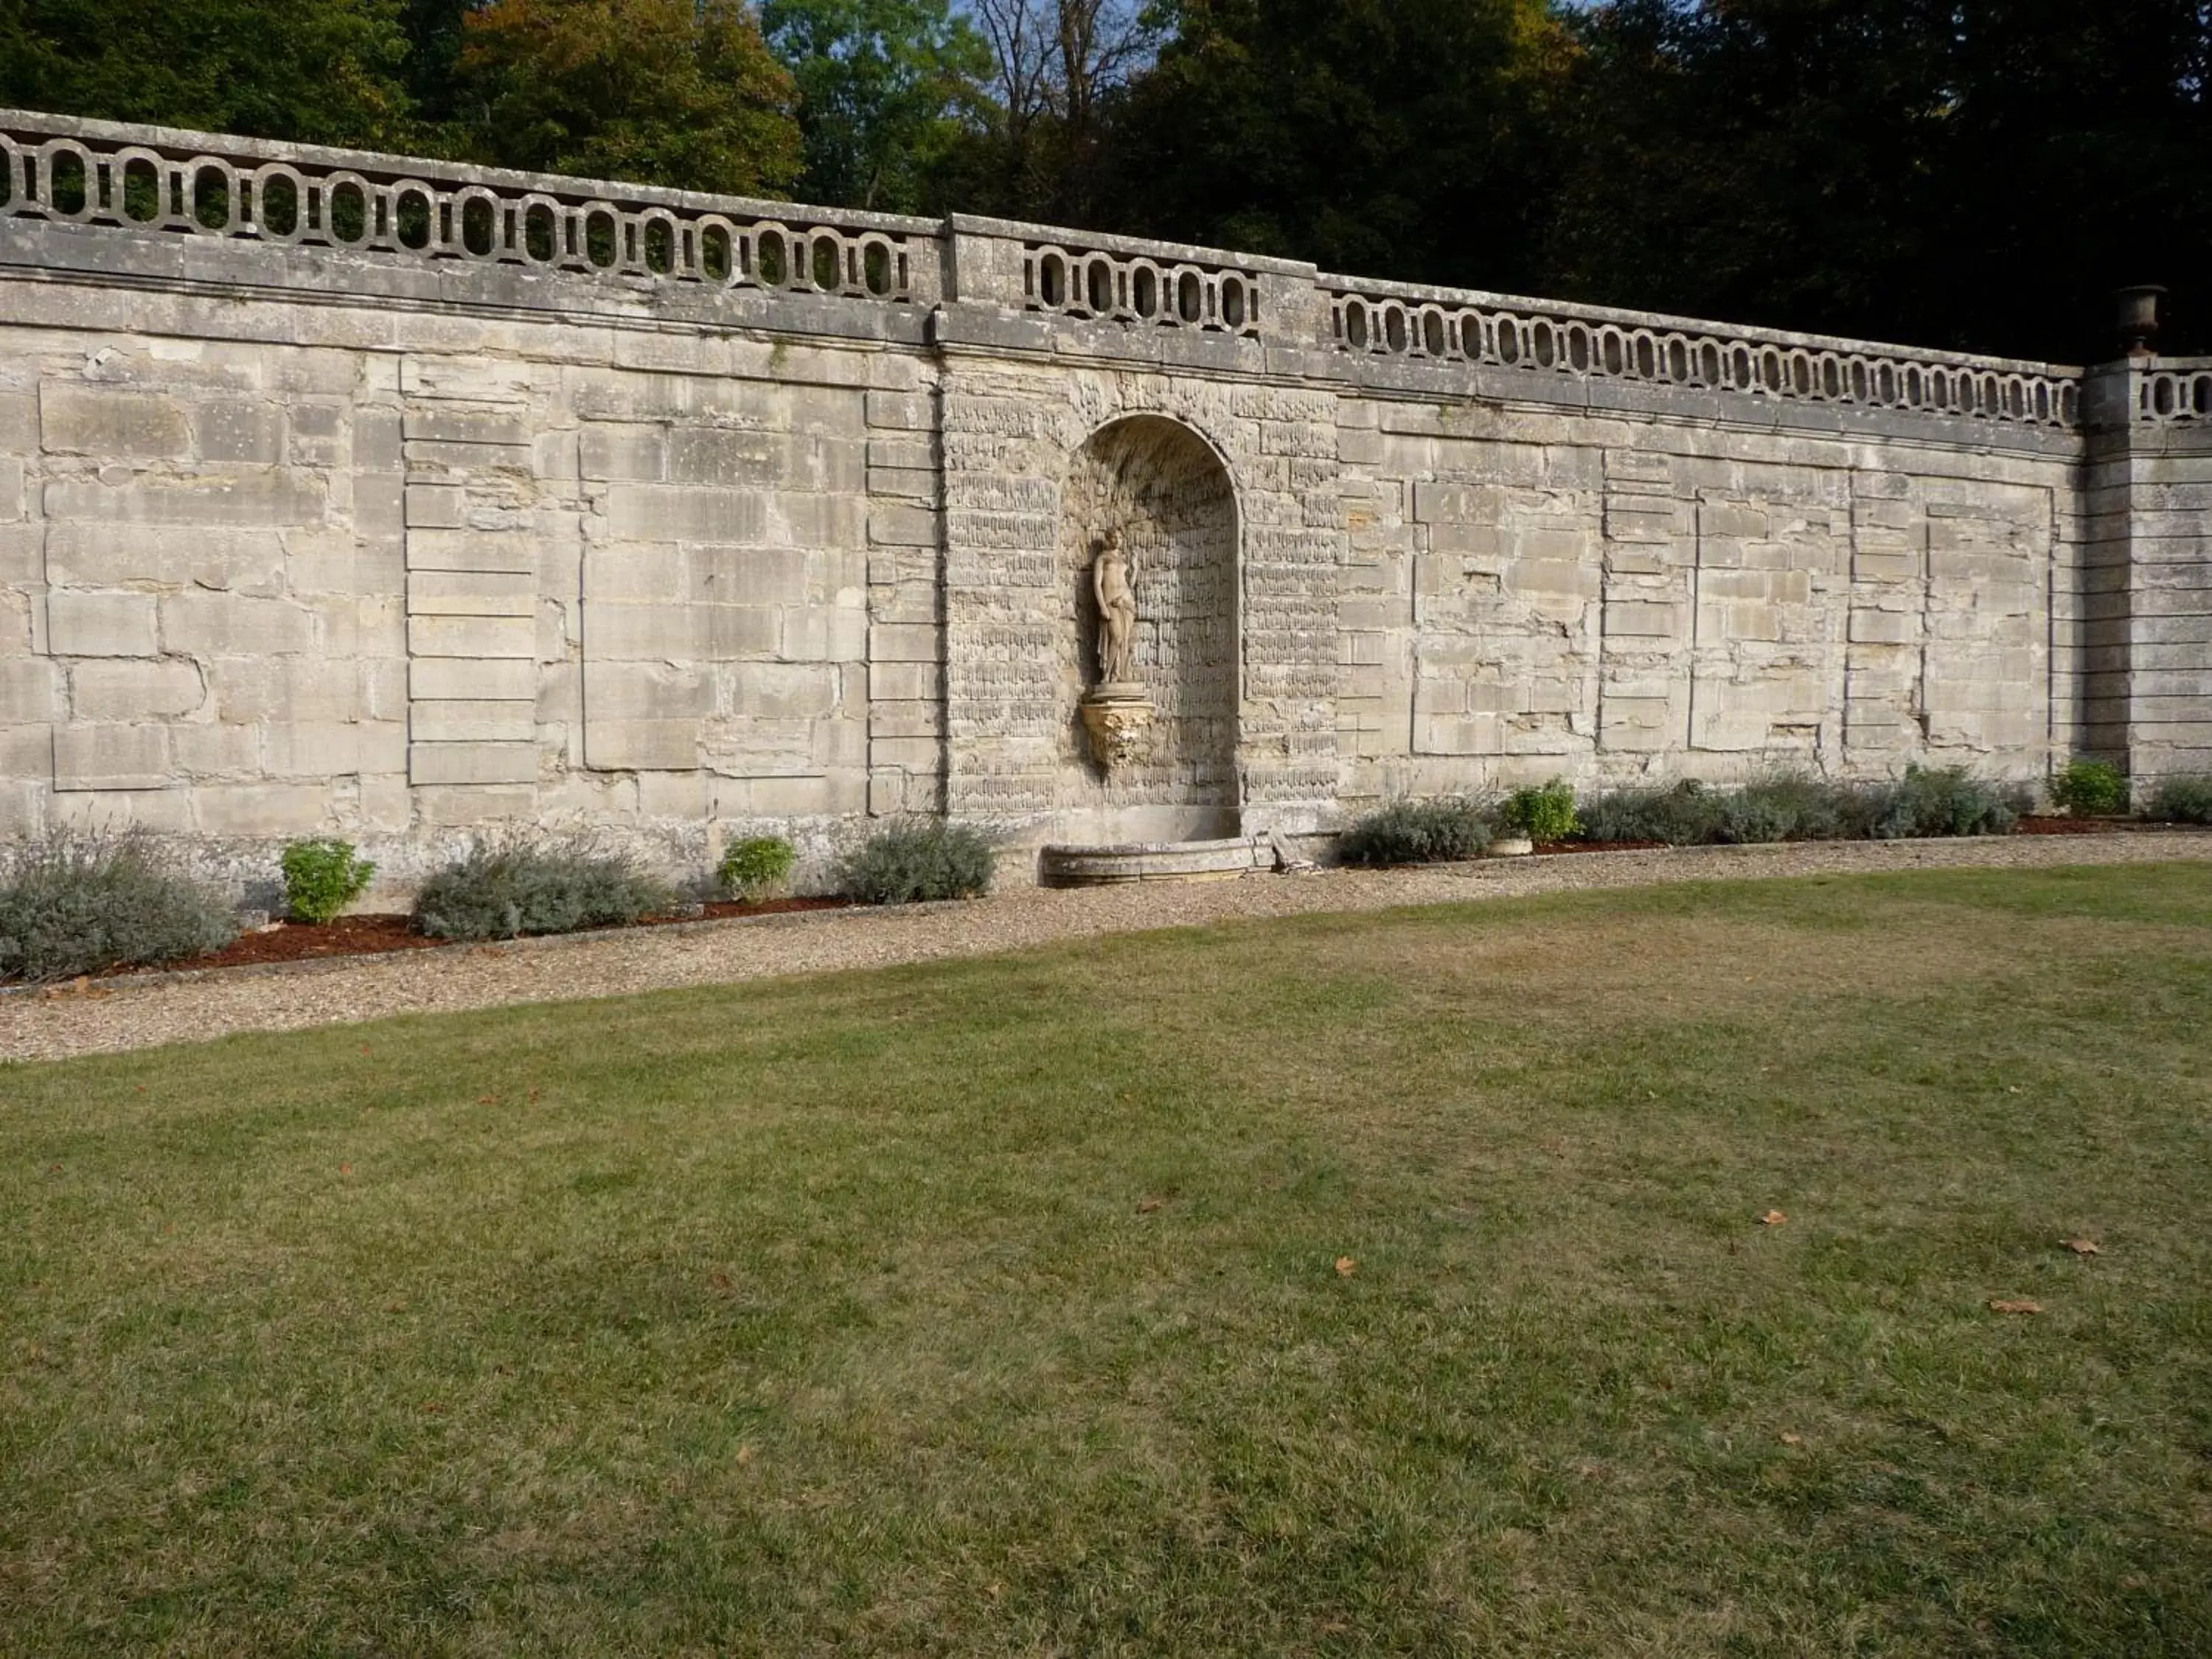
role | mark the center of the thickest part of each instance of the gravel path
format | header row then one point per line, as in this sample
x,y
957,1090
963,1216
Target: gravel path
x,y
133,1013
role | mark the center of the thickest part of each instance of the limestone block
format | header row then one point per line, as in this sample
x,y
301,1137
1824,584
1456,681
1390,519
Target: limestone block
x,y
111,424
234,625
902,411
642,745
449,424
646,691
1884,627
262,809
906,682
622,452
679,633
472,636
648,512
437,507
471,594
633,573
471,679
29,688
787,691
815,633
82,624
237,497
471,762
469,549
904,642
237,430
11,489
487,721
748,575
726,456
1637,724
1642,619
89,756
443,808
248,689
380,506
134,689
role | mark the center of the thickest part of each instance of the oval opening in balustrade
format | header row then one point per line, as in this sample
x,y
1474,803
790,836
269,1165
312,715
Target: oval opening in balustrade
x,y
1436,334
657,245
602,238
2015,404
1916,390
878,269
479,226
772,258
1831,378
1233,311
412,216
2042,402
1355,324
1543,346
2200,395
346,202
1144,292
11,163
541,235
1471,344
1610,357
1512,346
1939,389
1709,364
715,262
1190,297
1098,287
1393,327
68,182
828,260
1647,357
2160,393
142,190
211,197
275,204
2069,402
1858,382
1052,281
1885,384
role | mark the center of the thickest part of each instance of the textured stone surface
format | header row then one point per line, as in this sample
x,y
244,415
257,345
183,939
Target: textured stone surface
x,y
400,545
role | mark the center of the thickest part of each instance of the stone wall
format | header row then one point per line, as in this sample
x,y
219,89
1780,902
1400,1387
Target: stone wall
x,y
374,498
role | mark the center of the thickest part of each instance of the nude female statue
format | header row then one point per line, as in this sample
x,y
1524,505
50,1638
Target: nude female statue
x,y
1117,611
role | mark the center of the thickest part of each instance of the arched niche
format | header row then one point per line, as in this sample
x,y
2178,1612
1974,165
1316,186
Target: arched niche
x,y
1161,488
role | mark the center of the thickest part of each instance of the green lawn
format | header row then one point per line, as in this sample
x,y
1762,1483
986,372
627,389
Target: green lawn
x,y
996,1307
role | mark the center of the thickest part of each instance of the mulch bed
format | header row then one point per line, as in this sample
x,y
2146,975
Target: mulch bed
x,y
372,936
1546,848
2033,825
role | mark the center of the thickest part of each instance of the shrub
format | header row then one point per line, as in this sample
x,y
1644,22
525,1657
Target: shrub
x,y
1442,831
914,860
758,867
1943,800
1684,814
2185,799
321,877
72,902
1545,814
517,883
2090,787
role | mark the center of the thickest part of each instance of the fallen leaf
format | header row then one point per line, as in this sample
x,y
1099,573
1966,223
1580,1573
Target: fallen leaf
x,y
745,1455
1346,1267
2084,1247
1150,1206
432,1407
1772,1218
719,1280
487,1100
2017,1307
1789,1439
345,1169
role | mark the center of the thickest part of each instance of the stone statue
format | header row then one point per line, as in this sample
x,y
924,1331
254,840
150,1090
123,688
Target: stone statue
x,y
1117,611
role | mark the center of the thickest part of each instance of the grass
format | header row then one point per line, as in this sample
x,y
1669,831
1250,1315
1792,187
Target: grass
x,y
995,1308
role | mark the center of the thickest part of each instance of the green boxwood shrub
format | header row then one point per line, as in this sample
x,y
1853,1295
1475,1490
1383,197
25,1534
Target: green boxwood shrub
x,y
2093,788
756,868
915,860
75,902
2184,800
1544,815
322,877
515,883
1440,831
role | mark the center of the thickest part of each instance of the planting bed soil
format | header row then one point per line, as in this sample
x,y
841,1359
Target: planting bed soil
x,y
1544,848
371,936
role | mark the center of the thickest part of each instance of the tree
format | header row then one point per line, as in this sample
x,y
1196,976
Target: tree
x,y
1402,138
884,86
683,93
319,71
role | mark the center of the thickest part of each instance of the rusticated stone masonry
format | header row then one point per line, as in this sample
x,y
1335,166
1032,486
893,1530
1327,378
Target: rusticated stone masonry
x,y
351,494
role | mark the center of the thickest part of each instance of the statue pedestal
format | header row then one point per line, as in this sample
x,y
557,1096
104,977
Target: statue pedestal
x,y
1116,713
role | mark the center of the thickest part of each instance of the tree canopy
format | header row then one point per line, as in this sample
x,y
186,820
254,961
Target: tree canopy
x,y
1975,173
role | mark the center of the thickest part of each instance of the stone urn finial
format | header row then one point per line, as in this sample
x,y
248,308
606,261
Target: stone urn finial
x,y
2138,318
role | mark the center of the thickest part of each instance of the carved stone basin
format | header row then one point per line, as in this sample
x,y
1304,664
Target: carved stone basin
x,y
1173,861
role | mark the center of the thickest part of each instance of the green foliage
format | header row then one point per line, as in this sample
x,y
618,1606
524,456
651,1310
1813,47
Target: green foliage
x,y
2184,800
2091,787
882,87
514,883
1943,800
323,71
683,93
914,860
1440,831
321,877
1794,806
1544,815
756,867
73,902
